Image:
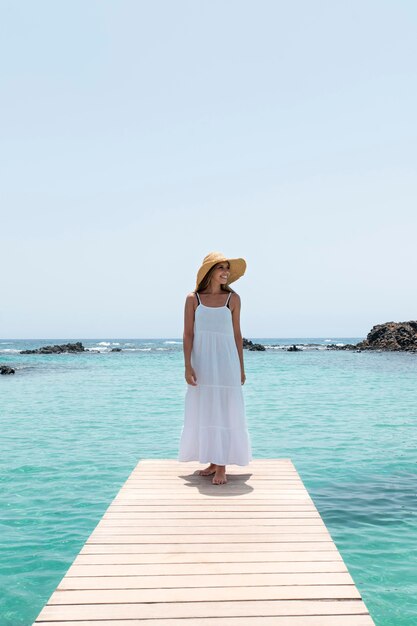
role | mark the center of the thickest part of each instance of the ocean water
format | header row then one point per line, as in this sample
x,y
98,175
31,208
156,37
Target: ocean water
x,y
74,426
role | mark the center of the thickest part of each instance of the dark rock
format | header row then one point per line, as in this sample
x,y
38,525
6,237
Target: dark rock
x,y
57,349
116,350
392,336
249,345
293,348
346,346
5,369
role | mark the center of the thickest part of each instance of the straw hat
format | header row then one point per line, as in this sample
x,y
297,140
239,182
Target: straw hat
x,y
237,267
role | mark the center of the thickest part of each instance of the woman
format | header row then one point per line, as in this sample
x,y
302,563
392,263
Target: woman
x,y
214,429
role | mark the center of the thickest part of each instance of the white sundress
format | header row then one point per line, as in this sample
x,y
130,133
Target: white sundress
x,y
215,428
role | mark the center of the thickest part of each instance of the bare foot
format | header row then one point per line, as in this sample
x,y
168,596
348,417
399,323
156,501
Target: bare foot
x,y
209,470
219,477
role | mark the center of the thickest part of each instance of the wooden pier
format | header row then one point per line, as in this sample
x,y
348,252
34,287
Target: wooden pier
x,y
174,550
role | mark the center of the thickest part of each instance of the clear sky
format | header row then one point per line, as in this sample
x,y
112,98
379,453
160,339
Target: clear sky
x,y
137,136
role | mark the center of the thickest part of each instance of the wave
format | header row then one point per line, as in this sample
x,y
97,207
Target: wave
x,y
104,346
178,342
303,347
137,349
95,349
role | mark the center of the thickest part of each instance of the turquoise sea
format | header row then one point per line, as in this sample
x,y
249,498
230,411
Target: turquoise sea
x,y
73,427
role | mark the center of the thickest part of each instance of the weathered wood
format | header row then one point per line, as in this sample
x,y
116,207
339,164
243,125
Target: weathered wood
x,y
207,569
194,512
173,549
203,508
209,557
187,610
203,580
200,594
203,527
304,620
194,522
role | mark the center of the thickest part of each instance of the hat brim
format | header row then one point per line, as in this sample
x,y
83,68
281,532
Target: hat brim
x,y
237,269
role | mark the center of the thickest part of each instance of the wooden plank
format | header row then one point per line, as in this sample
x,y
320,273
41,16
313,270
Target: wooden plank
x,y
203,484
200,522
268,474
210,557
208,569
217,497
304,620
262,487
188,538
194,522
203,528
166,548
158,538
187,610
200,594
172,549
267,481
223,507
203,580
174,462
179,517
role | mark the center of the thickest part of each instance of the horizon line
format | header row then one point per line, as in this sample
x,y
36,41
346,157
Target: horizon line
x,y
168,337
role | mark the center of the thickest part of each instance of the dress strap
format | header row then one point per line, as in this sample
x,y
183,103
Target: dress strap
x,y
198,297
227,301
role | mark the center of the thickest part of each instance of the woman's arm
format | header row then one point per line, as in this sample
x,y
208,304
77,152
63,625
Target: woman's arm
x,y
188,338
238,335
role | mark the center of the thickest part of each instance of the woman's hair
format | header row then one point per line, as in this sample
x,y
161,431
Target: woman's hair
x,y
207,278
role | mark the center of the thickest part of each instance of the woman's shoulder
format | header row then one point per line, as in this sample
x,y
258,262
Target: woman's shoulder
x,y
234,301
191,297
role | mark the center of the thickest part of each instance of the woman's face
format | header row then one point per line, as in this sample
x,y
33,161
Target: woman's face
x,y
221,272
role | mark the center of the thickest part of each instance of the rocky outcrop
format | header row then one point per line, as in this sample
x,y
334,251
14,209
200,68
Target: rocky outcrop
x,y
116,350
249,345
346,346
393,336
6,369
293,348
57,349
390,336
